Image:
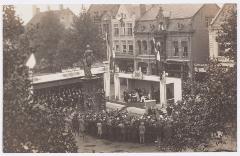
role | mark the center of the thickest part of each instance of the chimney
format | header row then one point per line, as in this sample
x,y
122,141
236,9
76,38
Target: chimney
x,y
61,7
38,10
83,9
160,13
142,9
34,10
48,8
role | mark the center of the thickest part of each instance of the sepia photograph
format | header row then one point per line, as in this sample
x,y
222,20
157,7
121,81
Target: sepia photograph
x,y
119,78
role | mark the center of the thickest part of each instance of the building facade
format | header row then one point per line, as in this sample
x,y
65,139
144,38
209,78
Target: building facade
x,y
65,16
181,31
215,26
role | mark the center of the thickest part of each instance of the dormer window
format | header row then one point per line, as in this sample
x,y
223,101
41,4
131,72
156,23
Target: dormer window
x,y
160,26
180,26
143,28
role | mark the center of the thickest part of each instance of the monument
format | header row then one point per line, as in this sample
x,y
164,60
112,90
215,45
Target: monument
x,y
88,58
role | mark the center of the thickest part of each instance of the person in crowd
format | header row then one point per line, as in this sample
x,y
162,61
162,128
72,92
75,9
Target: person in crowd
x,y
142,133
168,131
159,129
128,132
125,96
137,96
99,127
75,125
169,110
82,127
122,131
115,124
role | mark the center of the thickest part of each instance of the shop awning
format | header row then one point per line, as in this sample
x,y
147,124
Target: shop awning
x,y
64,75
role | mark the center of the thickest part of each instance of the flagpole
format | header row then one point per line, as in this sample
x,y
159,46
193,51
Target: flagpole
x,y
107,71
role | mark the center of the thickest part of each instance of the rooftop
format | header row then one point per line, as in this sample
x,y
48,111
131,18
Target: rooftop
x,y
173,11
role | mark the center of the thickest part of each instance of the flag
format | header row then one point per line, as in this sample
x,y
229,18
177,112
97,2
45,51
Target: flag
x,y
154,41
109,53
31,62
158,56
108,50
156,51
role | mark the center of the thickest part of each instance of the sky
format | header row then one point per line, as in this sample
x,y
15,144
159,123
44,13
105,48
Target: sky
x,y
25,11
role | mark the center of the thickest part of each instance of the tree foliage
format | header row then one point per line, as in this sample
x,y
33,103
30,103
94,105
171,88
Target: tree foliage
x,y
46,37
83,32
27,126
56,47
213,104
227,35
15,81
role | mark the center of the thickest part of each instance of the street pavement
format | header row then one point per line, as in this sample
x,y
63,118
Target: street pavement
x,y
92,144
96,145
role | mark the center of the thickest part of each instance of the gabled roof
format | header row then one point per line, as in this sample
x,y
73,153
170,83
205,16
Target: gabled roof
x,y
37,18
174,11
101,9
135,9
113,9
224,7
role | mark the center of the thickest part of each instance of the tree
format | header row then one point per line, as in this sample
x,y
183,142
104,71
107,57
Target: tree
x,y
83,32
27,125
46,37
227,35
213,104
15,82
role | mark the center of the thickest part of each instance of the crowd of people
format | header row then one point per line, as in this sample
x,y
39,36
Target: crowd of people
x,y
83,118
119,125
140,95
70,97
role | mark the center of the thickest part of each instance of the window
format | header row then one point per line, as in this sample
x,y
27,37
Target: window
x,y
176,50
144,45
139,46
99,28
130,46
117,47
184,48
124,46
122,29
208,21
129,29
170,91
152,47
180,26
105,28
116,30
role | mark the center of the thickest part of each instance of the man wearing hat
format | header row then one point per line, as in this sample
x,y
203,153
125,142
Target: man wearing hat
x,y
141,132
99,127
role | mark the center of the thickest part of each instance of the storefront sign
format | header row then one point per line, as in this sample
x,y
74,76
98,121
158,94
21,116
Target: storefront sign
x,y
137,75
72,74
